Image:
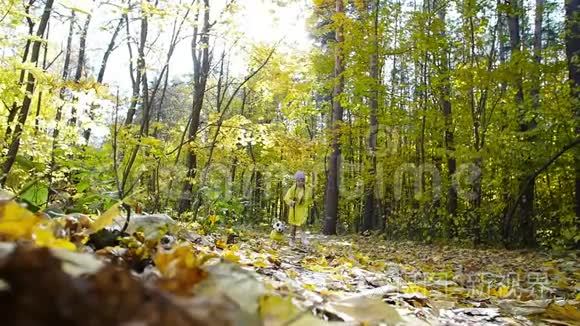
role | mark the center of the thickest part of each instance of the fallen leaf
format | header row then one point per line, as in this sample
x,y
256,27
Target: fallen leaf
x,y
278,311
565,312
16,222
501,292
363,310
413,288
526,308
221,244
106,218
44,237
261,263
231,256
239,285
181,269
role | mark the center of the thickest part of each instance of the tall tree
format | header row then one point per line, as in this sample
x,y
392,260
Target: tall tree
x,y
573,58
136,74
445,103
369,215
109,50
332,183
29,93
103,68
80,63
201,65
13,111
144,85
62,95
525,221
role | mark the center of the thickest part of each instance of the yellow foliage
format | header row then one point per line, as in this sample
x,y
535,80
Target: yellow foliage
x,y
274,259
344,262
16,222
195,226
314,264
321,3
565,312
230,255
106,218
377,265
501,292
261,263
292,273
363,259
562,282
309,287
213,219
181,268
360,5
274,308
44,237
276,311
220,244
446,275
414,288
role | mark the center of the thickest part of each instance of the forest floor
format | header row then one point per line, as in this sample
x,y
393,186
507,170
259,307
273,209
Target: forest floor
x,y
427,284
242,277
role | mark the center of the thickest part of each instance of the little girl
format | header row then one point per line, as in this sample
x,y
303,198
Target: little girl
x,y
298,198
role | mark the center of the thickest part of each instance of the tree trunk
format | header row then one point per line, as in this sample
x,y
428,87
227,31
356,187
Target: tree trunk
x,y
82,49
80,64
108,51
370,200
201,65
136,75
144,129
537,48
257,196
39,102
219,123
332,195
30,88
573,56
65,74
14,109
445,102
62,93
101,73
526,232
146,107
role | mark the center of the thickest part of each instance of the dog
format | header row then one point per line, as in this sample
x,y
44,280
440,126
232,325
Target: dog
x,y
278,229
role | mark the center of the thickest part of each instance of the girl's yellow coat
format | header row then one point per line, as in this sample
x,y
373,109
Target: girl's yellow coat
x,y
302,198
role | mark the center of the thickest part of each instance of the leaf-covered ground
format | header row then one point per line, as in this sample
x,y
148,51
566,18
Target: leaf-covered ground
x,y
428,284
80,270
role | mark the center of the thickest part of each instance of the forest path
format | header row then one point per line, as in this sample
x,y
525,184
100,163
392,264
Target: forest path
x,y
428,284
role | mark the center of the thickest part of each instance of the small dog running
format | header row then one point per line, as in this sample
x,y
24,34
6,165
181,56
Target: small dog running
x,y
278,229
